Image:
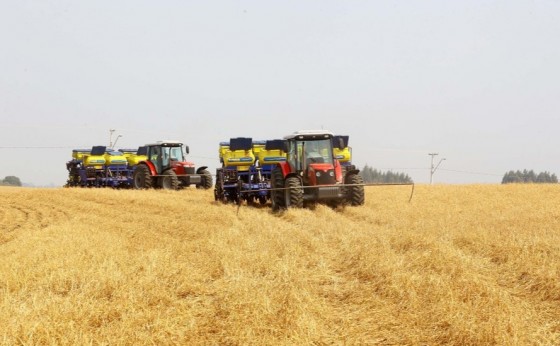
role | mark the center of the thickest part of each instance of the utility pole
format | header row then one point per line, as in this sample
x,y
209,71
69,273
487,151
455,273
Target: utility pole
x,y
116,140
432,168
111,137
111,144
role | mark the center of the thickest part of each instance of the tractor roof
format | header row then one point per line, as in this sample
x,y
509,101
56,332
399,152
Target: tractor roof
x,y
310,135
166,143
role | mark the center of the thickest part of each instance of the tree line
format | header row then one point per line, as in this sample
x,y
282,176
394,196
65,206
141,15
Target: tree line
x,y
10,181
374,176
526,176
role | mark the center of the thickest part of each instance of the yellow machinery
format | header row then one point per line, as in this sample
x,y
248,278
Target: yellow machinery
x,y
269,152
238,172
115,158
342,152
237,153
258,147
105,167
96,158
343,155
97,167
78,154
246,168
133,156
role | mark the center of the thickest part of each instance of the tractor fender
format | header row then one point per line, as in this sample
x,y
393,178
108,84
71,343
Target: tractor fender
x,y
338,171
352,171
200,169
150,165
293,174
285,167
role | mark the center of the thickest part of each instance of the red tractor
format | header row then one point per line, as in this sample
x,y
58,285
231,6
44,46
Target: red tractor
x,y
312,174
166,168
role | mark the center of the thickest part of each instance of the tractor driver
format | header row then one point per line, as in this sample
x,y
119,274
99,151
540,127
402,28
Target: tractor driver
x,y
155,153
312,154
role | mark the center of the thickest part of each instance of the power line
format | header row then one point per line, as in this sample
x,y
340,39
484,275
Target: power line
x,y
85,146
38,147
471,172
201,157
401,168
212,158
441,169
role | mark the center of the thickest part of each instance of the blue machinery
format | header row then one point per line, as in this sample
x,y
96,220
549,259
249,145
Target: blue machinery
x,y
246,169
102,167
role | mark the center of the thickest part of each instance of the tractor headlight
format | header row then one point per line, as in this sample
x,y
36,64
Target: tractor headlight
x,y
317,174
331,173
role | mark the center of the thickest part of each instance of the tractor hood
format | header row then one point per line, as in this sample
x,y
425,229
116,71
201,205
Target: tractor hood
x,y
323,174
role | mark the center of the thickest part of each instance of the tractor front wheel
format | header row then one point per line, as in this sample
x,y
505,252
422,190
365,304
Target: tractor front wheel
x,y
293,193
169,180
355,194
206,180
277,196
141,178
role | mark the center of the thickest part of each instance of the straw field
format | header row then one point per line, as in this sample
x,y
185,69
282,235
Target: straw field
x,y
459,265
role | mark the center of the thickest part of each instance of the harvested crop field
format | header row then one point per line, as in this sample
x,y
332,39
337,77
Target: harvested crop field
x,y
463,265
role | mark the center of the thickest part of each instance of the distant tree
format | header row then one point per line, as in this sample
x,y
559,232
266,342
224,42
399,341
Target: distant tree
x,y
513,177
11,181
542,177
371,175
529,177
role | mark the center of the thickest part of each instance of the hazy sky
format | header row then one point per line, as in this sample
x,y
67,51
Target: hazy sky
x,y
476,81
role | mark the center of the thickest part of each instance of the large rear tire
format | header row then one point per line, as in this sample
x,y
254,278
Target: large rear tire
x,y
355,194
277,196
141,178
206,180
169,180
293,193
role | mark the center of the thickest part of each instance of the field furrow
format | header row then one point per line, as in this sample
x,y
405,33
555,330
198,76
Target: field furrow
x,y
462,265
16,217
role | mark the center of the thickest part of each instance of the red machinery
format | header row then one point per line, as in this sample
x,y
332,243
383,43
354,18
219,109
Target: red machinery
x,y
165,167
312,174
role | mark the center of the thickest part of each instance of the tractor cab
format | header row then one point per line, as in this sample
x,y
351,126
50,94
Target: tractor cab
x,y
165,167
168,154
310,155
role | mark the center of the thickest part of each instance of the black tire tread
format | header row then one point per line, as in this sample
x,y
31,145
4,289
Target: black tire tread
x,y
173,179
356,194
277,182
206,180
143,174
294,196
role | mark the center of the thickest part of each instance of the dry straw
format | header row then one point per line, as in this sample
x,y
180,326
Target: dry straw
x,y
461,265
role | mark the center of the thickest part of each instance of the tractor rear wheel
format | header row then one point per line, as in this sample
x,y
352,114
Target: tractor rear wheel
x,y
293,193
141,178
355,194
277,196
169,180
206,180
